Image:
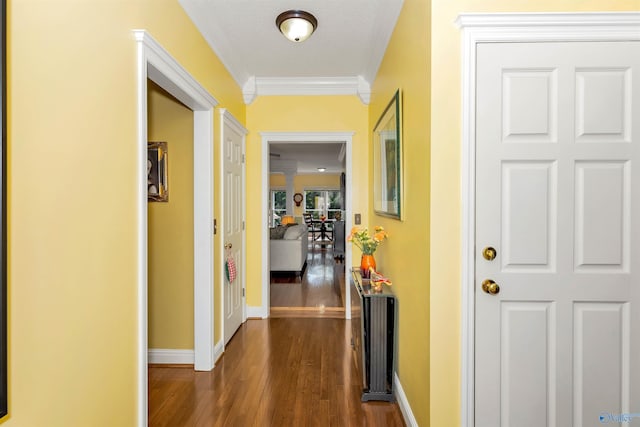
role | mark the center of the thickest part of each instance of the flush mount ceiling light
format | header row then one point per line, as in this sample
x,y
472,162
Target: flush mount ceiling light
x,y
296,25
322,169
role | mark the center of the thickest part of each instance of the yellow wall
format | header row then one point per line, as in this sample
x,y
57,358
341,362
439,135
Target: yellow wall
x,y
403,257
166,22
445,185
171,227
302,182
72,272
299,114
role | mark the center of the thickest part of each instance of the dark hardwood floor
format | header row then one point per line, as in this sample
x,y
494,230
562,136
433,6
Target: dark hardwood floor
x,y
318,293
274,372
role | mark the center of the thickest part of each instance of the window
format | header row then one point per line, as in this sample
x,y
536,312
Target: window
x,y
278,206
322,202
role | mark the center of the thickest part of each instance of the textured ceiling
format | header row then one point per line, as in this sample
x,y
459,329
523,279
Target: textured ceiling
x,y
342,56
350,40
307,157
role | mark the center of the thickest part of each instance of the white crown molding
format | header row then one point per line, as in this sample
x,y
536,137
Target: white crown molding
x,y
516,28
249,90
521,27
217,40
382,35
257,86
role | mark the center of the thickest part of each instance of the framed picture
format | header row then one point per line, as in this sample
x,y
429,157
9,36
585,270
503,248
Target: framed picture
x,y
157,172
387,160
3,215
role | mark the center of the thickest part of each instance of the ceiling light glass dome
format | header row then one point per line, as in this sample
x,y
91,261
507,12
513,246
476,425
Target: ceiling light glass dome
x,y
296,25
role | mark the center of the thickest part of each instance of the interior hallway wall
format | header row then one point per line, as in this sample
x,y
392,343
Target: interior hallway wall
x,y
171,227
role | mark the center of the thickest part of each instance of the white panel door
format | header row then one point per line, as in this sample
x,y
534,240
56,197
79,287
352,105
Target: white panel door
x,y
558,198
233,223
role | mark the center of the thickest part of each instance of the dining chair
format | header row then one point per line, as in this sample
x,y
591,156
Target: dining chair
x,y
308,220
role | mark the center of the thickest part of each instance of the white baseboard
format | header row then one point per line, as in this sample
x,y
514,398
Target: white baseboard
x,y
170,356
218,349
403,403
259,312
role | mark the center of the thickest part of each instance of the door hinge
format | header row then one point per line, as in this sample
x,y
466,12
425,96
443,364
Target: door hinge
x,y
243,158
243,292
243,225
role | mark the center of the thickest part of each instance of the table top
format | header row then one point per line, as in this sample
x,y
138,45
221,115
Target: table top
x,y
364,286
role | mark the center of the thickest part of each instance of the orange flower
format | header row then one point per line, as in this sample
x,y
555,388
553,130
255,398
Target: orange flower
x,y
379,236
367,243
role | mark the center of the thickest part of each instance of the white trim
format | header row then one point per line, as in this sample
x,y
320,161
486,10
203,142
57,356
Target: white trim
x,y
155,63
249,90
226,118
299,137
259,312
142,237
173,77
203,250
257,86
509,27
218,349
403,403
166,356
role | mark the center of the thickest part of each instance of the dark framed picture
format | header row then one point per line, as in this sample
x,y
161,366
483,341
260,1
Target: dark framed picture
x,y
4,408
387,160
157,172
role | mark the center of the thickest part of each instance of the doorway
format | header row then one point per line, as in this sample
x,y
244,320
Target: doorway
x,y
156,64
232,224
549,293
300,138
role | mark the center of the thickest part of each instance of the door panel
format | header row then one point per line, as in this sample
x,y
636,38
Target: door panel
x,y
528,209
602,215
601,362
528,368
558,197
233,233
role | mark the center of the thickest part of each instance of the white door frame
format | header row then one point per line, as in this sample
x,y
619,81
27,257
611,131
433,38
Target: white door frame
x,y
509,27
299,137
156,64
227,118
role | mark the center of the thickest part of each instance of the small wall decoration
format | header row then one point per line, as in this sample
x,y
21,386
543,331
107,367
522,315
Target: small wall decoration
x,y
297,198
387,161
157,172
3,211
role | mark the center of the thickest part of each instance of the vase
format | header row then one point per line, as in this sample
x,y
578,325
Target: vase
x,y
367,261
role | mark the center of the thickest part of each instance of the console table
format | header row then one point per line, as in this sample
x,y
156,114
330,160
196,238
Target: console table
x,y
373,336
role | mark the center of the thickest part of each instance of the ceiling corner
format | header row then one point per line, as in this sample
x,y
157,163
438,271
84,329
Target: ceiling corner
x,y
364,90
249,90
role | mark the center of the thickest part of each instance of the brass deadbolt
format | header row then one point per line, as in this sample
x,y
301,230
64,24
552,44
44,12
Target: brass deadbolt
x,y
489,253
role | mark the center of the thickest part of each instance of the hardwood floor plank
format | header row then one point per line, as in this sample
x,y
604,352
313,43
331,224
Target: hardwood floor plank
x,y
274,372
321,285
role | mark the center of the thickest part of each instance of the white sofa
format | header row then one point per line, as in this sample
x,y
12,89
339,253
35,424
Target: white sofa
x,y
290,252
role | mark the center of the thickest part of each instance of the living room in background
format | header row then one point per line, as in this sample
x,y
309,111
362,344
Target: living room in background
x,y
277,206
320,202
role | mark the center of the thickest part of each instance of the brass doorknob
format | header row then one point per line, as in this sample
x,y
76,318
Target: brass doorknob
x,y
489,253
490,287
